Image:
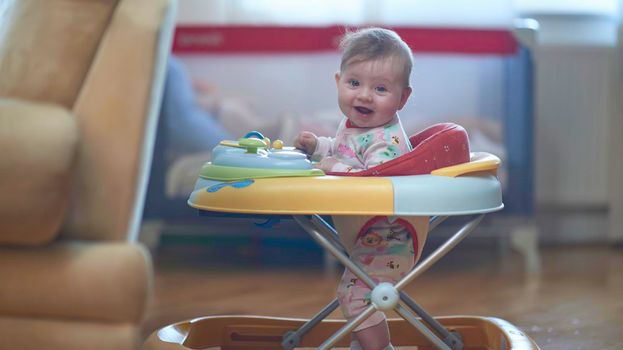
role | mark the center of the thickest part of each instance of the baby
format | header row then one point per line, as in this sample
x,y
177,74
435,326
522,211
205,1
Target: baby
x,y
372,85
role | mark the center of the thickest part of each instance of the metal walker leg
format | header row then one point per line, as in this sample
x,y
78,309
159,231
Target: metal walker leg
x,y
326,236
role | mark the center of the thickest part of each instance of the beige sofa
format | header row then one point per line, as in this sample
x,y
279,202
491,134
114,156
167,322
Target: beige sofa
x,y
80,86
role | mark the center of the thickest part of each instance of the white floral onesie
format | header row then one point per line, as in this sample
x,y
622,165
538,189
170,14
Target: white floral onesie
x,y
357,149
386,248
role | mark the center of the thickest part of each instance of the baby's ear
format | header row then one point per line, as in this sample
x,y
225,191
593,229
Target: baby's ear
x,y
337,77
406,92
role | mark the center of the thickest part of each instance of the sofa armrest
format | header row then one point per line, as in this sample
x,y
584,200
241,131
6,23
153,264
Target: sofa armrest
x,y
38,143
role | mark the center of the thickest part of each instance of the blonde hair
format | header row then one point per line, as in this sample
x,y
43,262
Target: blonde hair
x,y
372,44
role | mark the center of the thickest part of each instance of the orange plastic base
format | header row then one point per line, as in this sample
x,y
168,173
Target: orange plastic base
x,y
265,333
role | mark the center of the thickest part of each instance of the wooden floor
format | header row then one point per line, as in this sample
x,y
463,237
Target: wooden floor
x,y
575,303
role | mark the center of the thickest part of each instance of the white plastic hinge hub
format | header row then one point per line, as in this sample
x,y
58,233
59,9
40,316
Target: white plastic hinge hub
x,y
384,296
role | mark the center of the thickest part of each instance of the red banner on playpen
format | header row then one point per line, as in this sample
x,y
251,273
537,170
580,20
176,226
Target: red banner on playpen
x,y
273,39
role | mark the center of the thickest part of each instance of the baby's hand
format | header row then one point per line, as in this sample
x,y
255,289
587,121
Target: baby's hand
x,y
306,141
326,164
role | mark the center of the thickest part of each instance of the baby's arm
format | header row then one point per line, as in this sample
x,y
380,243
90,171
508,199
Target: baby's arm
x,y
376,154
331,164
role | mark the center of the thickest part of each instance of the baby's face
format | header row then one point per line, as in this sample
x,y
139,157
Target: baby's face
x,y
370,92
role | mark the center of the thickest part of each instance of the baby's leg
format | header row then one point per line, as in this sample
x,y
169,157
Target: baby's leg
x,y
354,297
374,338
386,251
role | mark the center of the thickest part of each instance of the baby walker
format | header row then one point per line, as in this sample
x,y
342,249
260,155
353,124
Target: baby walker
x,y
437,179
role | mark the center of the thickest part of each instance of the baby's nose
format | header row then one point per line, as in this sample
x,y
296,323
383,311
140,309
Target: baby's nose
x,y
365,95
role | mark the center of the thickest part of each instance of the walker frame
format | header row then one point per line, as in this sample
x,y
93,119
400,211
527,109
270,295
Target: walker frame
x,y
471,188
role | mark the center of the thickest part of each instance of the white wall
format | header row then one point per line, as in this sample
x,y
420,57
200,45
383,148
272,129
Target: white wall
x,y
576,99
573,110
483,13
616,151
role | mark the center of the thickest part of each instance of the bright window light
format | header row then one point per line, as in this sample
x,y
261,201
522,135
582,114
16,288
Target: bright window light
x,y
457,13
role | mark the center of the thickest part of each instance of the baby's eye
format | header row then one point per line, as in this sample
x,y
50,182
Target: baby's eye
x,y
381,89
353,83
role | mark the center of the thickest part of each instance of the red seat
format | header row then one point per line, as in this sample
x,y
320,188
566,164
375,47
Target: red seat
x,y
435,147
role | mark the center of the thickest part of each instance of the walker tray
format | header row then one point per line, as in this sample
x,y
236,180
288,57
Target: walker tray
x,y
261,180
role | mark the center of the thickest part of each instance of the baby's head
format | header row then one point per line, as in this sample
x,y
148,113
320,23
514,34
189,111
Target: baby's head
x,y
373,81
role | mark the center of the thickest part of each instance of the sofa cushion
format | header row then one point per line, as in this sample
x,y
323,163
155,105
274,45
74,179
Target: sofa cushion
x,y
38,144
46,47
99,282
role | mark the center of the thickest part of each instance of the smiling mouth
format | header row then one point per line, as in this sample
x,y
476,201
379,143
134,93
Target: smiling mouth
x,y
363,110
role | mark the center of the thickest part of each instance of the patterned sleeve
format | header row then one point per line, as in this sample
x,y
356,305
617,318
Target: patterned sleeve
x,y
323,148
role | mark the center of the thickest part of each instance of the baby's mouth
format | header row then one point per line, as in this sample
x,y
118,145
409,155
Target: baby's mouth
x,y
363,110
